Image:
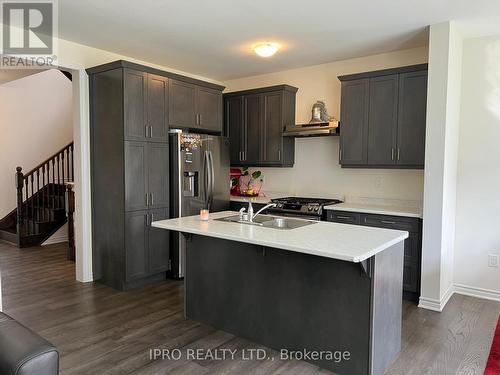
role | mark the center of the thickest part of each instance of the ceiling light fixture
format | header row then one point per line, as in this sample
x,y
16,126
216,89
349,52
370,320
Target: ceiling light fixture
x,y
266,49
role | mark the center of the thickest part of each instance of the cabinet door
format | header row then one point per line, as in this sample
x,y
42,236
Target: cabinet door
x,y
157,108
136,246
182,99
135,176
235,128
383,120
209,109
411,275
158,174
412,118
354,122
158,242
272,137
252,129
134,92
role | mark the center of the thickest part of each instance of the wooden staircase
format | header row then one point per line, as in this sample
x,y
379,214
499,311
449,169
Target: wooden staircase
x,y
41,203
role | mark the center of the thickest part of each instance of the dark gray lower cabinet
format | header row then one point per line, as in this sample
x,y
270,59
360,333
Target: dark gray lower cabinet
x,y
158,241
412,246
136,245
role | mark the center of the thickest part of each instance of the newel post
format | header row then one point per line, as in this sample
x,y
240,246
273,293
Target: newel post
x,y
19,189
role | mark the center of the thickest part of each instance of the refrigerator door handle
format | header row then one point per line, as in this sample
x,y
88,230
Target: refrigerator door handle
x,y
212,178
207,179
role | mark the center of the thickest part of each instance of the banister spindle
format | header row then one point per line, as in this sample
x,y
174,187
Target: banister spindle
x,y
62,183
26,186
72,163
32,203
20,215
38,192
53,183
67,165
45,198
58,180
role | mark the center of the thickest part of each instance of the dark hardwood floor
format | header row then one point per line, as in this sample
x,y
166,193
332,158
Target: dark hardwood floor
x,y
102,331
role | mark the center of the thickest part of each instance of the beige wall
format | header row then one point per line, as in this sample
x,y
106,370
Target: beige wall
x,y
36,121
317,170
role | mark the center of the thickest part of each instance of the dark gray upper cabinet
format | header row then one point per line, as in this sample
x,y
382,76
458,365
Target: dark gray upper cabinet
x,y
354,120
234,116
209,109
272,140
252,129
195,107
157,108
145,106
255,120
182,104
135,98
130,108
383,118
411,118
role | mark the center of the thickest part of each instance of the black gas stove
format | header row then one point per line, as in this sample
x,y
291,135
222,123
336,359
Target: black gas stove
x,y
311,208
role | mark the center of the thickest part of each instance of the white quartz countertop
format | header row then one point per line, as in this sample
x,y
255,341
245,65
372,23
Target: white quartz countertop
x,y
378,208
350,243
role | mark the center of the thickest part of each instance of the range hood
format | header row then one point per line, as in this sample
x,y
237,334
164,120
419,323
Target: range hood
x,y
317,129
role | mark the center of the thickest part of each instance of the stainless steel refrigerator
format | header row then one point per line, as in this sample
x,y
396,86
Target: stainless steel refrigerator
x,y
199,175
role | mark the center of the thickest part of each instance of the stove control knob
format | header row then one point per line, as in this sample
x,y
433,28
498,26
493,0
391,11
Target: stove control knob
x,y
316,209
310,208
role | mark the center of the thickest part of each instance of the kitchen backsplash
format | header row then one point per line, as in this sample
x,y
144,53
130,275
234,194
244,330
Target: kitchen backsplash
x,y
317,173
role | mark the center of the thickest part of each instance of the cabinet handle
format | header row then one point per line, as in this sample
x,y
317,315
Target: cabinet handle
x,y
344,217
146,130
147,199
392,153
152,219
147,220
151,131
199,119
340,153
398,153
152,199
279,155
387,222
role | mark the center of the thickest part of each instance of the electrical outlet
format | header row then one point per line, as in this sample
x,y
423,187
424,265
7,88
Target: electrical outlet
x,y
493,260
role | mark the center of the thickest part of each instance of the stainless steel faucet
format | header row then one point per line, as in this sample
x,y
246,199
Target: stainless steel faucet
x,y
252,216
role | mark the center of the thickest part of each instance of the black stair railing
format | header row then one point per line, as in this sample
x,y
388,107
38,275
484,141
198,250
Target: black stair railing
x,y
42,190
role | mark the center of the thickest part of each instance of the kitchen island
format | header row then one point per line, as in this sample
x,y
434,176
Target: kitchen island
x,y
331,290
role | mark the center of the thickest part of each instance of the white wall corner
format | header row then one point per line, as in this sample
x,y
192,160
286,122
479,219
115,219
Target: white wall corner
x,y
83,206
442,139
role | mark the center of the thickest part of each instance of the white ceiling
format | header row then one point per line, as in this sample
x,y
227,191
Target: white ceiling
x,y
212,38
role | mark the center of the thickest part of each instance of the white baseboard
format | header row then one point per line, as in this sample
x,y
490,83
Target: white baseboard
x,y
438,305
435,304
56,239
477,292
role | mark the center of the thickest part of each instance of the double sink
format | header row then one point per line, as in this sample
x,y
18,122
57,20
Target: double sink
x,y
268,221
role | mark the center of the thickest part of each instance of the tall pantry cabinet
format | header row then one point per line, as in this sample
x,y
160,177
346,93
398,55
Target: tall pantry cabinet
x,y
132,108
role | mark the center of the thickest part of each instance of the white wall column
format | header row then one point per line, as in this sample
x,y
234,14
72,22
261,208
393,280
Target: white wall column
x,y
83,207
442,135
